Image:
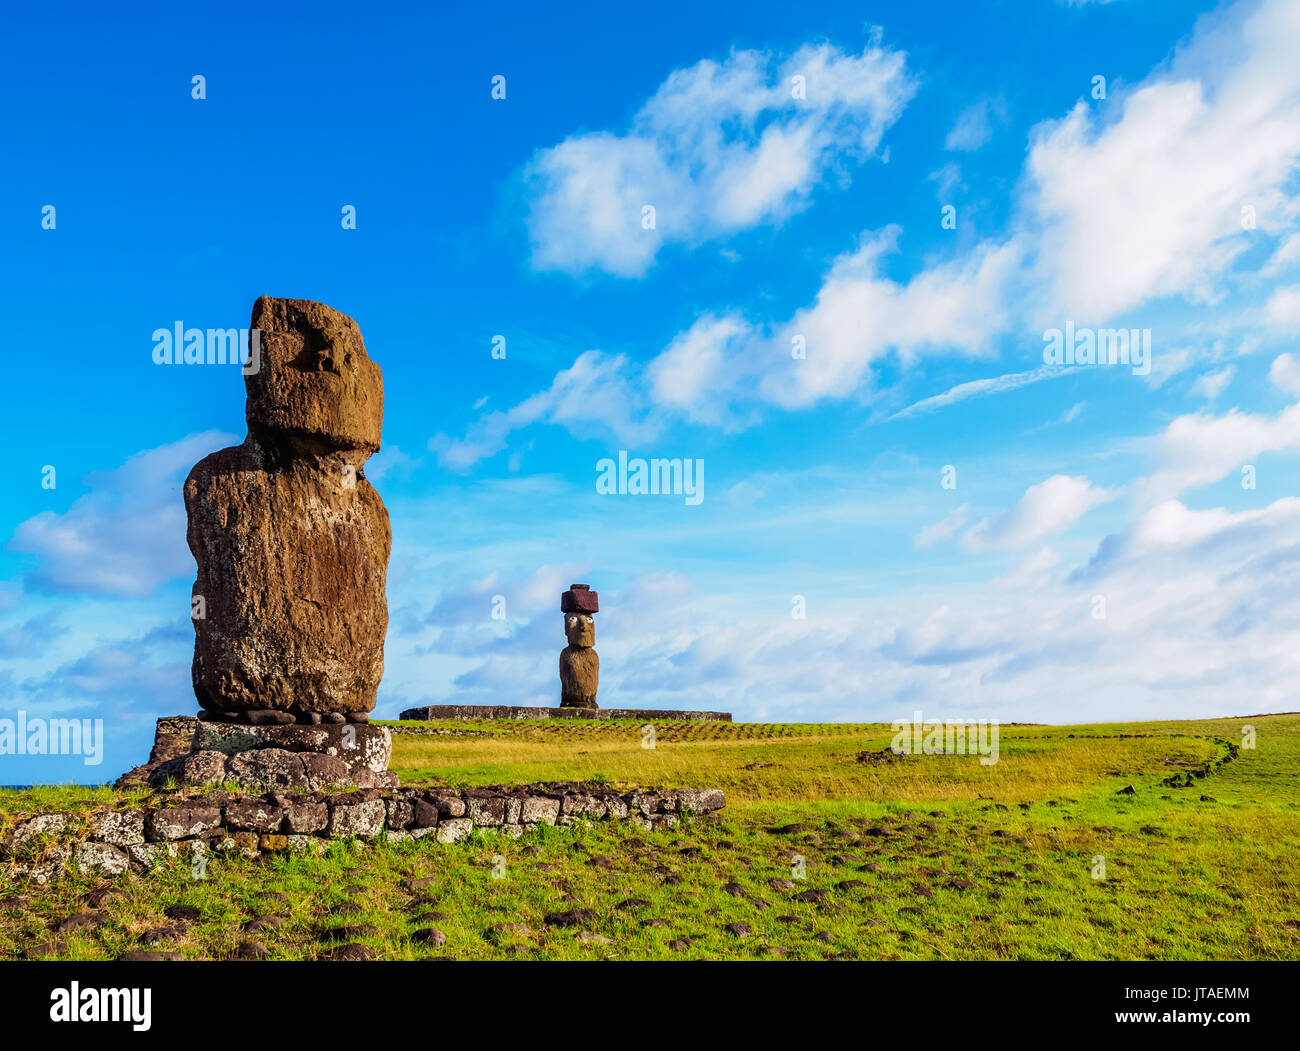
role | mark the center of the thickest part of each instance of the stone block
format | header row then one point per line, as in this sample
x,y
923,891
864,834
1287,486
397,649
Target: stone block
x,y
180,822
103,858
539,810
454,829
252,815
363,820
120,828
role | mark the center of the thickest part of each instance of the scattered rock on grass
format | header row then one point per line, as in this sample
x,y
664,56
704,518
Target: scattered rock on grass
x,y
352,953
141,955
571,918
156,936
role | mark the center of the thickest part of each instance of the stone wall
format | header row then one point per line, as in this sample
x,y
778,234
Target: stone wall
x,y
172,824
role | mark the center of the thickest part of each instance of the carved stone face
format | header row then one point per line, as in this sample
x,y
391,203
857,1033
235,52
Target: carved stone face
x,y
315,381
580,629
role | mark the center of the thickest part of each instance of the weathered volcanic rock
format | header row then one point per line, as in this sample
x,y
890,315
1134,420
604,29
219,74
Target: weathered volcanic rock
x,y
365,746
308,757
197,768
291,540
172,739
279,768
316,381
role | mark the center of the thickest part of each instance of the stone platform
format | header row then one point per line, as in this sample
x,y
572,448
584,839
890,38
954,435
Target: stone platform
x,y
289,756
511,711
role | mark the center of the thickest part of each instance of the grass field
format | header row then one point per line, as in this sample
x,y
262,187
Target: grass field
x,y
873,856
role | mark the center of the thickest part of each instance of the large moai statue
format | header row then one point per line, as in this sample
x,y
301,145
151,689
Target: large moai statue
x,y
292,544
579,662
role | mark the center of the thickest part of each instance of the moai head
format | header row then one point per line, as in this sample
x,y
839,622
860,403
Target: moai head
x,y
580,629
578,604
315,381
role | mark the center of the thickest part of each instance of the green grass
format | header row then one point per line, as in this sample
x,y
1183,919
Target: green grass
x,y
1186,877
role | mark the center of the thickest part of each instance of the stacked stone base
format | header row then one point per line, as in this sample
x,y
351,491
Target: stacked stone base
x,y
292,756
171,824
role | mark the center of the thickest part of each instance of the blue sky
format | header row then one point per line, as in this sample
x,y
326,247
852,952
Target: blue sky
x,y
1118,543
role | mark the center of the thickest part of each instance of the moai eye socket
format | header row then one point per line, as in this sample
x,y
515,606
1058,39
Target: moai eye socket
x,y
573,620
587,619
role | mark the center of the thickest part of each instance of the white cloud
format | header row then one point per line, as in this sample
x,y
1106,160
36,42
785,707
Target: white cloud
x,y
1202,609
1283,309
1137,200
745,493
1200,449
1212,384
471,603
718,363
707,357
1148,203
1284,373
859,316
981,387
1171,524
1072,413
1168,364
1201,612
720,147
975,124
593,397
1284,257
1046,508
944,529
32,638
948,180
1170,538
1035,571
127,535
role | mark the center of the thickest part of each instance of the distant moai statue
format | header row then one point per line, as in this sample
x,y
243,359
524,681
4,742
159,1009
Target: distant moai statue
x,y
579,663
